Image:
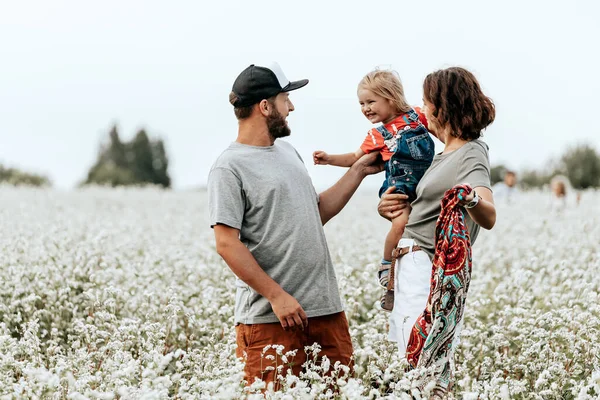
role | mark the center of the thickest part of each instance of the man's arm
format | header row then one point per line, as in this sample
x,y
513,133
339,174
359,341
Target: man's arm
x,y
244,266
336,197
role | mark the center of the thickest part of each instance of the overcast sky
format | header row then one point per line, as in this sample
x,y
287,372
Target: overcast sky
x,y
71,69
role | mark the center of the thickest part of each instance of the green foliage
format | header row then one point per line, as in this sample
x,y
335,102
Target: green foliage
x,y
581,164
497,173
14,176
534,179
140,161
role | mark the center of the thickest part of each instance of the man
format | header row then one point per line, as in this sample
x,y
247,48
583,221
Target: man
x,y
267,219
506,190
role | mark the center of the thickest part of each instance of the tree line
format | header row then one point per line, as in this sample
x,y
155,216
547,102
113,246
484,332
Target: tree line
x,y
140,161
580,164
143,160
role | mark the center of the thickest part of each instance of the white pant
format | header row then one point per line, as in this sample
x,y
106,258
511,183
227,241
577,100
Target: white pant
x,y
411,286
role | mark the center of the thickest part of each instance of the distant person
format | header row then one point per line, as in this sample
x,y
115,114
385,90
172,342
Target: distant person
x,y
405,146
268,224
506,190
560,187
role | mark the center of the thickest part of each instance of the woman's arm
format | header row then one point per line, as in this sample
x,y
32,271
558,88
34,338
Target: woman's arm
x,y
338,160
484,213
475,170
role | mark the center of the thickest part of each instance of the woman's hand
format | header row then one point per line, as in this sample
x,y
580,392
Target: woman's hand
x,y
392,204
467,199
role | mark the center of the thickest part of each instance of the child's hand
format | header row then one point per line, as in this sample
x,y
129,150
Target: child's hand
x,y
320,157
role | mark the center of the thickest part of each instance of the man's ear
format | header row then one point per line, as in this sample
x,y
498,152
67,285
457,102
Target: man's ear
x,y
264,107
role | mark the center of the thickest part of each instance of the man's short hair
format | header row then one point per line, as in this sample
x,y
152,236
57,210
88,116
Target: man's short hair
x,y
240,112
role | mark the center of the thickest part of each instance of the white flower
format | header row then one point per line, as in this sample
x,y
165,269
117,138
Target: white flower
x,y
120,293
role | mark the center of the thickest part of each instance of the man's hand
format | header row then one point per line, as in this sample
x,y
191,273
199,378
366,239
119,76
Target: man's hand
x,y
392,204
369,164
321,158
290,313
244,265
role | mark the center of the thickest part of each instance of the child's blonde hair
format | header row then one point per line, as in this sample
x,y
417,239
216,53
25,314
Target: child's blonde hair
x,y
387,85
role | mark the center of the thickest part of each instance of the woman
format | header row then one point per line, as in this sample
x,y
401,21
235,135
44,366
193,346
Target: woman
x,y
560,200
457,111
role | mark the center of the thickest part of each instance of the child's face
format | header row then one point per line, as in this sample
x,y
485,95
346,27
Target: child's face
x,y
374,107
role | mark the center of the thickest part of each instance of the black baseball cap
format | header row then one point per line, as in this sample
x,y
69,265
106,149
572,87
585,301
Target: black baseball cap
x,y
256,83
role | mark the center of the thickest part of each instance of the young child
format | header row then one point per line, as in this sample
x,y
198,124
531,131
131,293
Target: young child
x,y
403,141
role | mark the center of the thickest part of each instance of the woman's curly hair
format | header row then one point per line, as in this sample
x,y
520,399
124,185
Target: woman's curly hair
x,y
459,102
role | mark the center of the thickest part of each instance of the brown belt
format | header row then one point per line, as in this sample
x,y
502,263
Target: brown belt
x,y
396,255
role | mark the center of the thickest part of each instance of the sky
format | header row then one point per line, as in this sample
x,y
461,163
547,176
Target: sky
x,y
70,70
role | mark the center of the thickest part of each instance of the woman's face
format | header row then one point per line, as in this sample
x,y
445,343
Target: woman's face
x,y
432,122
559,189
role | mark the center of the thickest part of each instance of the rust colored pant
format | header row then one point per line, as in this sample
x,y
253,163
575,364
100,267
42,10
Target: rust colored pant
x,y
329,331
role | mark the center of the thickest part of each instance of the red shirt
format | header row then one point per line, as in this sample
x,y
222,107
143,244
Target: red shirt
x,y
375,142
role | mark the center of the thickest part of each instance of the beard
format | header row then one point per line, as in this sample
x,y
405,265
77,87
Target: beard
x,y
277,125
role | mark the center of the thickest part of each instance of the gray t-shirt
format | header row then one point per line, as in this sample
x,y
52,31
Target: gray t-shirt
x,y
468,164
267,194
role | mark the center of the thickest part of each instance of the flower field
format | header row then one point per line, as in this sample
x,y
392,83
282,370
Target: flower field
x,y
120,294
